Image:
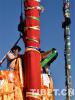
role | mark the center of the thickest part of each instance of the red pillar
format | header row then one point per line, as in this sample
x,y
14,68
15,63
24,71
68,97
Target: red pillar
x,y
32,43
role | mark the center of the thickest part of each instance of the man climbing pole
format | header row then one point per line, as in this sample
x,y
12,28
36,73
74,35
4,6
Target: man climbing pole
x,y
13,75
11,56
46,79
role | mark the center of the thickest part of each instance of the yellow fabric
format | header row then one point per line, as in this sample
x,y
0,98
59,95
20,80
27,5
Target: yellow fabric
x,y
12,83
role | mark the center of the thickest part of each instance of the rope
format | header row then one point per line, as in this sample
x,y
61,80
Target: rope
x,y
32,27
31,49
32,39
34,95
41,8
33,17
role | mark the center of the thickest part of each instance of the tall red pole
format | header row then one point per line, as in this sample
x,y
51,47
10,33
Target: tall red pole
x,y
31,39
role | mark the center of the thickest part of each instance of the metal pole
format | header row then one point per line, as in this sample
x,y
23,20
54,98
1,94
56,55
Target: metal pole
x,y
67,50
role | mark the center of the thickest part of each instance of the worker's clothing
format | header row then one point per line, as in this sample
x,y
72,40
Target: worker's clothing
x,y
12,82
46,87
11,59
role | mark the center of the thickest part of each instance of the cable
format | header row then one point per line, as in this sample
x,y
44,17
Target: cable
x,y
21,24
